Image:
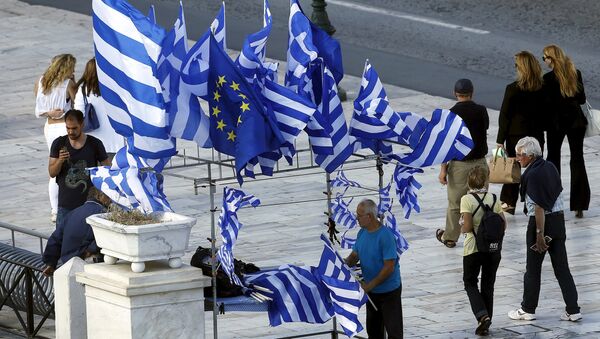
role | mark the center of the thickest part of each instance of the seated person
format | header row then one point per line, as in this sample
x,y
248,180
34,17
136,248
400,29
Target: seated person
x,y
75,237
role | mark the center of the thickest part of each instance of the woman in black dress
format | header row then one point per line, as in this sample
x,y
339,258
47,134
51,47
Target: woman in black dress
x,y
563,87
521,115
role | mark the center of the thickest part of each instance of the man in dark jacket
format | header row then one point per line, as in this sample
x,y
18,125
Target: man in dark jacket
x,y
454,173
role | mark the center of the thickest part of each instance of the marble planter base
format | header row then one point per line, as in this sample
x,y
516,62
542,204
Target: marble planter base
x,y
158,303
138,244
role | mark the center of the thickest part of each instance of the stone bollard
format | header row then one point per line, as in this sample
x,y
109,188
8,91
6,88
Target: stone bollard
x,y
69,301
161,302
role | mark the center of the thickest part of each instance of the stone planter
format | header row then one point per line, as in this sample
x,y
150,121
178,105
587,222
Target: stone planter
x,y
137,244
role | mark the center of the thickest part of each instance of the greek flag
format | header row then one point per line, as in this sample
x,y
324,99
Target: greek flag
x,y
298,295
341,214
345,291
251,60
406,188
128,46
194,70
332,116
342,181
230,226
348,241
445,138
186,118
389,220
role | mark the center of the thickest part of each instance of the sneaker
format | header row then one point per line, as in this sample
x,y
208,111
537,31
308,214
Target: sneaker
x,y
571,317
519,314
53,217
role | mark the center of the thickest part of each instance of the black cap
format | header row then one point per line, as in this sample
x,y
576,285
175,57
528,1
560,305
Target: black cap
x,y
463,86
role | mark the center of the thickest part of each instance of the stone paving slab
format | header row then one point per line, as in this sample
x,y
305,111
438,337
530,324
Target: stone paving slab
x,y
286,228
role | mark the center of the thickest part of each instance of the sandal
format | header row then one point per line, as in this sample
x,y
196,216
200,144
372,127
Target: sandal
x,y
507,208
448,243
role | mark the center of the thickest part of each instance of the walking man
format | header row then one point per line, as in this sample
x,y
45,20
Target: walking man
x,y
454,173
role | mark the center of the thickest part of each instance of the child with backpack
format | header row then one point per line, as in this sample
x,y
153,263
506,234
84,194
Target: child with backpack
x,y
483,224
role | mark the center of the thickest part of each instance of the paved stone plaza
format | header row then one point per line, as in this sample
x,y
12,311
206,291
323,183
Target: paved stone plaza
x,y
286,228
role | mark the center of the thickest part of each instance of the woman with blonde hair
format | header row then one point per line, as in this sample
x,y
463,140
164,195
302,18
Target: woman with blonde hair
x,y
563,87
88,89
54,95
520,116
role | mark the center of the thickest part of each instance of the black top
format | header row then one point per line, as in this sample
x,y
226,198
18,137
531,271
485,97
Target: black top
x,y
477,120
564,112
73,180
541,182
521,114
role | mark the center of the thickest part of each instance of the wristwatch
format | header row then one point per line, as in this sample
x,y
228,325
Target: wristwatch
x,y
538,231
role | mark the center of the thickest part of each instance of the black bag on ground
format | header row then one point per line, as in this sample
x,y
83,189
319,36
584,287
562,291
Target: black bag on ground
x,y
490,232
225,288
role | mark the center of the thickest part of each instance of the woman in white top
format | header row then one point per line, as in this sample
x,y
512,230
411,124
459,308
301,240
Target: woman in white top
x,y
54,96
88,86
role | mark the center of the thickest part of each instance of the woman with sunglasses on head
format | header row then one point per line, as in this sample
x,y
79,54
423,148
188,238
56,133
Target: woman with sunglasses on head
x,y
54,95
520,116
563,87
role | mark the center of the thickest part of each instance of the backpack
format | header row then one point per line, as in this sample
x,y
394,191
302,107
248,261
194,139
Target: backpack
x,y
491,228
225,288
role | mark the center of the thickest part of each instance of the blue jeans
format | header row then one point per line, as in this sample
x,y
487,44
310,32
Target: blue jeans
x,y
61,215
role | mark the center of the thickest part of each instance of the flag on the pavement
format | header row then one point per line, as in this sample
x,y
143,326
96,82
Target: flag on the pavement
x,y
345,291
239,125
298,295
127,50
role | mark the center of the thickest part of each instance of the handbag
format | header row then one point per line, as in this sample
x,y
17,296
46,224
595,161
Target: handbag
x,y
504,170
90,118
593,120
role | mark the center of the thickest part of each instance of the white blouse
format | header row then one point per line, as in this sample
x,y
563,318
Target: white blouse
x,y
56,99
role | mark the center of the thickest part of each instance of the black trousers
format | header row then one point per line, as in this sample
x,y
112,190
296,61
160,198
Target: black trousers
x,y
482,301
388,315
510,192
554,227
580,186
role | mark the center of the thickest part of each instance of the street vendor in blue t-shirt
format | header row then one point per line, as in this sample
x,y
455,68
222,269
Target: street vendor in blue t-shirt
x,y
375,248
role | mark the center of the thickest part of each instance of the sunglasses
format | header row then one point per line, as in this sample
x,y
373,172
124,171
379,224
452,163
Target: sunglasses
x,y
546,57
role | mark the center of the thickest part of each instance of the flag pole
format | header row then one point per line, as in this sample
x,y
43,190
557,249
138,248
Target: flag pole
x,y
328,180
212,190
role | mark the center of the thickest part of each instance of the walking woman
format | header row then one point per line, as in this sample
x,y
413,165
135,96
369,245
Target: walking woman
x,y
481,300
54,95
521,115
89,88
563,87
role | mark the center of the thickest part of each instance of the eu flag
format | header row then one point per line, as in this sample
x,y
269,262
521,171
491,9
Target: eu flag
x,y
239,124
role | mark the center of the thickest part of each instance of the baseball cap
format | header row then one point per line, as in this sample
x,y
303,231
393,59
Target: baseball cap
x,y
463,86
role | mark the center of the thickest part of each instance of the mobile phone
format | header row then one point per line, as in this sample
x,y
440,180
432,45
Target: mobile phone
x,y
547,239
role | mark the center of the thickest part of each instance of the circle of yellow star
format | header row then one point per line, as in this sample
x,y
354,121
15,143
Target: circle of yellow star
x,y
216,96
239,121
231,135
245,106
216,111
235,86
242,95
221,125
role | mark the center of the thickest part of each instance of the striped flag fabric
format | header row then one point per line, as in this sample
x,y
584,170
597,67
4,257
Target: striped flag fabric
x,y
406,188
152,14
127,47
298,295
348,240
445,138
341,214
385,200
194,69
230,226
346,293
341,180
186,118
389,220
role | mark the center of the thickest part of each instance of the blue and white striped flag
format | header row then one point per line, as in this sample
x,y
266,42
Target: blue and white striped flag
x,y
389,220
194,70
251,60
445,138
348,240
333,119
341,214
346,293
152,14
127,50
298,295
186,118
342,181
230,227
406,188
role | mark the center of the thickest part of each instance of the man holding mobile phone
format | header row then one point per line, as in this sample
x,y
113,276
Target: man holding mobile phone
x,y
541,190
